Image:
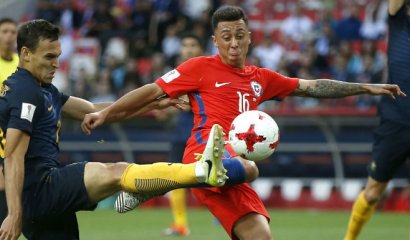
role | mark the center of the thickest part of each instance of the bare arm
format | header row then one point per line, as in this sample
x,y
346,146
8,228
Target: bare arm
x,y
326,88
16,148
77,108
394,6
133,101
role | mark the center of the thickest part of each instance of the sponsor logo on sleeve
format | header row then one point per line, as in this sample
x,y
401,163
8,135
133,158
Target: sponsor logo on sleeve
x,y
27,111
170,76
3,90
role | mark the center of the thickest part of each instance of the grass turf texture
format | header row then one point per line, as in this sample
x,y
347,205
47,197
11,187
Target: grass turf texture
x,y
148,223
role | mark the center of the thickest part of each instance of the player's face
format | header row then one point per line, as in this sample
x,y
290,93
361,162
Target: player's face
x,y
232,40
43,61
8,35
190,48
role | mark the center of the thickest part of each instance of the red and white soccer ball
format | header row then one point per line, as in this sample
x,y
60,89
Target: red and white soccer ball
x,y
254,135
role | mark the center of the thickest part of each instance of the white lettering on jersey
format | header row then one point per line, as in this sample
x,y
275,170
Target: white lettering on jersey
x,y
171,75
27,111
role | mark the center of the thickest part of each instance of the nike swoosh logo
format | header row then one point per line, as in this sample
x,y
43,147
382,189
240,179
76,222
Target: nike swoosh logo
x,y
50,108
221,84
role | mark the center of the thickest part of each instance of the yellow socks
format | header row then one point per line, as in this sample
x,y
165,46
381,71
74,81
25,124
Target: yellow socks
x,y
178,206
361,213
159,177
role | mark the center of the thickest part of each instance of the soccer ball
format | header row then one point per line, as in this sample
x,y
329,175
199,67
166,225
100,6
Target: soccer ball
x,y
254,135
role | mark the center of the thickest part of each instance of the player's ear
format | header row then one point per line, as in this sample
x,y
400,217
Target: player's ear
x,y
214,40
250,37
25,54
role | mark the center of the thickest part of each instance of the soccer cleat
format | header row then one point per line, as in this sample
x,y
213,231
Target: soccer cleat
x,y
211,158
176,231
127,201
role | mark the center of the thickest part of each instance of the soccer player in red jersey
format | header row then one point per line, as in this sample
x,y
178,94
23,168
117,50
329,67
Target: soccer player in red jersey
x,y
220,88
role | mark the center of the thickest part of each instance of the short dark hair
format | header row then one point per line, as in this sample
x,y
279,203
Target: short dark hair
x,y
7,20
228,13
30,34
193,36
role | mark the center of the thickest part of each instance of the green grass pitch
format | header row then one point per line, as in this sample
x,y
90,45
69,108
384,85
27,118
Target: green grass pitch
x,y
148,223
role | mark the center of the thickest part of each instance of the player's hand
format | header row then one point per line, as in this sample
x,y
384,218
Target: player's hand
x,y
180,103
183,103
91,121
391,90
10,228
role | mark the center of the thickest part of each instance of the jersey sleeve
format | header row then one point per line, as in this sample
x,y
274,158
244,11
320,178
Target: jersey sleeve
x,y
185,78
277,86
24,109
62,98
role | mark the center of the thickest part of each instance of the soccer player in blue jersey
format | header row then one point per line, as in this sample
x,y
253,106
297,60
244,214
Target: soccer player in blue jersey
x,y
8,65
391,144
43,196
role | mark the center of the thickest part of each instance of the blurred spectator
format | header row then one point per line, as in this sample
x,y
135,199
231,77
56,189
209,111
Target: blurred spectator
x,y
101,19
339,69
81,85
354,65
325,17
349,26
325,46
374,25
269,53
116,70
297,26
140,17
103,89
369,73
164,14
139,48
72,14
132,79
194,8
158,67
48,10
378,59
171,42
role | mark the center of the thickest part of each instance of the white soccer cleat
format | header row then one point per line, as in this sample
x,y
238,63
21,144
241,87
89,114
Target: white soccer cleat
x,y
127,201
211,158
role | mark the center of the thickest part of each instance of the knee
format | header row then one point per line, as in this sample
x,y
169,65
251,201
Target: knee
x,y
373,195
107,173
251,170
252,227
116,170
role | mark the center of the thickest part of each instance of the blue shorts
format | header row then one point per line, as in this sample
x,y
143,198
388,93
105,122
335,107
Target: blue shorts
x,y
50,204
177,151
391,147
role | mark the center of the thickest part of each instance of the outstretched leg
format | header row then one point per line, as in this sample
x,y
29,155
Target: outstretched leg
x,y
364,207
210,159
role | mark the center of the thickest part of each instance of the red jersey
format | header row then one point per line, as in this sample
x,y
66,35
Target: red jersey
x,y
218,93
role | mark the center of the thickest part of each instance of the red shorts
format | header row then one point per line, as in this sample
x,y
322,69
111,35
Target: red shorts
x,y
229,203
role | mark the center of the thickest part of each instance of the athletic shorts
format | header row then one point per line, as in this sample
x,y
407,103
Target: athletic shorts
x,y
391,147
177,151
228,203
50,205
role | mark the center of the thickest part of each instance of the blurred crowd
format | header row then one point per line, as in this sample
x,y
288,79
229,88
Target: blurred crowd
x,y
113,46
